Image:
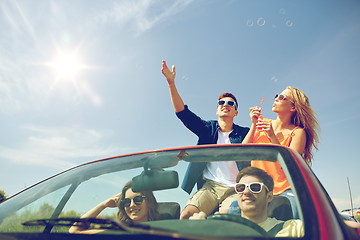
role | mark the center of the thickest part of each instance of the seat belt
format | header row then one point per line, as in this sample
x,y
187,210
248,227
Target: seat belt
x,y
277,228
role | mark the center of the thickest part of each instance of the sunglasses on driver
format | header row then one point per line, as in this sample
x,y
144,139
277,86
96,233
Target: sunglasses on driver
x,y
138,200
254,187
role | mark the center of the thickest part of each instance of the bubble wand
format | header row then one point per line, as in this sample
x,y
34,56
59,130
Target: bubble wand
x,y
261,117
261,102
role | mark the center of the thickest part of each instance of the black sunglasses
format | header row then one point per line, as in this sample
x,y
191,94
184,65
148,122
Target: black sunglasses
x,y
138,200
229,103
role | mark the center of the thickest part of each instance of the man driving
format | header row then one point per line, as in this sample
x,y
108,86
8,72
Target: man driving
x,y
254,187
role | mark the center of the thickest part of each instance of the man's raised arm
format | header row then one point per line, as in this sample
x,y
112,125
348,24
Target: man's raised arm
x,y
170,77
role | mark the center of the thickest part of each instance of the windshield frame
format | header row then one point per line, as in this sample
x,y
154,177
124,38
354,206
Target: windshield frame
x,y
166,158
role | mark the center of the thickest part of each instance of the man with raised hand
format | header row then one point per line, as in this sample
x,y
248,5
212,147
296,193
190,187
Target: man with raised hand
x,y
214,180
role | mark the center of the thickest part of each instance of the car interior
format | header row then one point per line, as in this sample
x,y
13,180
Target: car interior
x,y
92,184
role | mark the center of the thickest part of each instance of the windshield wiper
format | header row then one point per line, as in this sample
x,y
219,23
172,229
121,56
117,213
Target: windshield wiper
x,y
100,223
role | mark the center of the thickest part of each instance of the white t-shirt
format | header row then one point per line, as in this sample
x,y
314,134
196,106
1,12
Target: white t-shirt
x,y
291,228
223,172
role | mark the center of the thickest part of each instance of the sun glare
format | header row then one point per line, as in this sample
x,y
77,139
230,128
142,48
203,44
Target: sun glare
x,y
66,66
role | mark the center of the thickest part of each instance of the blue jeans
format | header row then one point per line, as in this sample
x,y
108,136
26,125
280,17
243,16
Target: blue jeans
x,y
290,195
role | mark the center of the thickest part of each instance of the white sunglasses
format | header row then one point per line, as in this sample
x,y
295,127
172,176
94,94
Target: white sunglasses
x,y
254,187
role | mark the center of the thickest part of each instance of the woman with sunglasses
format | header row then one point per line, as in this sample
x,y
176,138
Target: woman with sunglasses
x,y
137,207
295,127
133,208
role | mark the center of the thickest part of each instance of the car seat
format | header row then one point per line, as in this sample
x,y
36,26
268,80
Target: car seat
x,y
280,208
169,210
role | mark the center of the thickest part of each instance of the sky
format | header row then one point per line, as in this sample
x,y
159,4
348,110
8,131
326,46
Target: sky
x,y
81,80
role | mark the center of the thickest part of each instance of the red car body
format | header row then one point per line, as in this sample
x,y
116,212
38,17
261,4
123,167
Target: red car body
x,y
318,213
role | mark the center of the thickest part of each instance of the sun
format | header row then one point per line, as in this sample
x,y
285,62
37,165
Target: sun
x,y
66,66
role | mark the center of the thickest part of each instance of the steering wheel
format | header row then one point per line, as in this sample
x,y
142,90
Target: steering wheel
x,y
241,220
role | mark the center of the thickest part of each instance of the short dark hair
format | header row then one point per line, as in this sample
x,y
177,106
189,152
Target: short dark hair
x,y
227,94
259,173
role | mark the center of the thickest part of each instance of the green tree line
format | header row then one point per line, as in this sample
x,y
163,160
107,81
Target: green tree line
x,y
13,223
2,195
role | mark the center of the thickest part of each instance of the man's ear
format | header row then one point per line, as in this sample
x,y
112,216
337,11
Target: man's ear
x,y
270,196
236,112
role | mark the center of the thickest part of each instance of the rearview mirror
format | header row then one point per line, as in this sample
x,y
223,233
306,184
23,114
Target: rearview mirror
x,y
155,179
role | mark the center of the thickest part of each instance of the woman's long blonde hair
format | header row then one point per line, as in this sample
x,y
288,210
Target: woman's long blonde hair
x,y
305,118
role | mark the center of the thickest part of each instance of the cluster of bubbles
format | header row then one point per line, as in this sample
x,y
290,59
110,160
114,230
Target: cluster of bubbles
x,y
261,21
274,79
185,78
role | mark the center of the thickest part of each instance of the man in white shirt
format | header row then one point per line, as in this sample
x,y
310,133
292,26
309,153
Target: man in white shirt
x,y
214,180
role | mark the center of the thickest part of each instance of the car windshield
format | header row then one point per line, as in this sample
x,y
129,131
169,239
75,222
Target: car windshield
x,y
74,192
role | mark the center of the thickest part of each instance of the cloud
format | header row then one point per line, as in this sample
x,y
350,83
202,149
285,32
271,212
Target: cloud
x,y
341,203
356,201
340,121
17,21
142,15
60,148
25,80
19,91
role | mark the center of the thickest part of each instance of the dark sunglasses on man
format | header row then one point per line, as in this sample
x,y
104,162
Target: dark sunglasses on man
x,y
229,103
138,200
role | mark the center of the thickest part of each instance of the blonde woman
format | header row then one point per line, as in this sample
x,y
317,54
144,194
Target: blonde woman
x,y
295,126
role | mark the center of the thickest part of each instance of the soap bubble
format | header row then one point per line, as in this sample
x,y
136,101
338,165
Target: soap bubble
x,y
282,11
289,23
274,79
261,21
185,78
250,23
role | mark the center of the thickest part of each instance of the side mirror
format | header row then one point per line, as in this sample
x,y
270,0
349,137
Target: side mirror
x,y
155,179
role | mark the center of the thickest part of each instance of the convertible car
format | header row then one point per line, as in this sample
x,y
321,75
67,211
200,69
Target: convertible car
x,y
48,209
